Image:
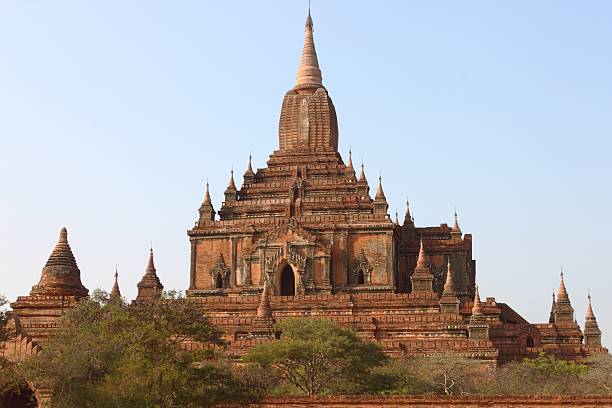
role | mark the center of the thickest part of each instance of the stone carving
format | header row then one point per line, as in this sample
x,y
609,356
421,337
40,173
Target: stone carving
x,y
220,274
362,270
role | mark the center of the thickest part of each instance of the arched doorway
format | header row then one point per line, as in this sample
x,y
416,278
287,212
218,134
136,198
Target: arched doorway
x,y
287,281
24,398
219,282
360,278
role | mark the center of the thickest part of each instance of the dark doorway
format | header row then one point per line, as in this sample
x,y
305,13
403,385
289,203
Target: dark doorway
x,y
22,399
530,342
360,278
287,285
219,282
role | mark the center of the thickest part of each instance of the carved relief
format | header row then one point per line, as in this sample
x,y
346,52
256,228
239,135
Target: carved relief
x,y
362,270
220,274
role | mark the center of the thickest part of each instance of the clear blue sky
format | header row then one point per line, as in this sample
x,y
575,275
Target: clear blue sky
x,y
113,114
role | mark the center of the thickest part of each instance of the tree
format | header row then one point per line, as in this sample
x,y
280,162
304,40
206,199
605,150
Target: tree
x,y
162,353
314,355
543,375
599,375
448,373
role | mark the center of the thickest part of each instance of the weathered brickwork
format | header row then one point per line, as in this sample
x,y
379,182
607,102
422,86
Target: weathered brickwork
x,y
422,401
302,236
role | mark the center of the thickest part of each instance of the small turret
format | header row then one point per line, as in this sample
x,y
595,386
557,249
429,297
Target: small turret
x,y
249,174
449,303
592,334
380,201
207,212
551,318
61,275
150,286
363,189
115,293
231,191
408,220
263,323
455,230
478,328
422,278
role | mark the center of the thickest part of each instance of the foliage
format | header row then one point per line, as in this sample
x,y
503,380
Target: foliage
x,y
109,354
543,375
318,356
396,378
448,373
599,375
550,365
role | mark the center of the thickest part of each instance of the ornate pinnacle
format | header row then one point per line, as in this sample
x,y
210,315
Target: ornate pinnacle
x,y
380,195
231,185
422,259
264,310
350,160
63,237
151,264
362,176
207,195
456,224
590,315
449,285
115,292
477,308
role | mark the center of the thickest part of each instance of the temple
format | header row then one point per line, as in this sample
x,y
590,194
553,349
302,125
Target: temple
x,y
303,236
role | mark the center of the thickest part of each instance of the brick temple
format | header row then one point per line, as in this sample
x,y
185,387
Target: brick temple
x,y
303,236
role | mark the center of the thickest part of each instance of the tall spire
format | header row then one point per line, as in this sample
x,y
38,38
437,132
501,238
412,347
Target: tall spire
x,y
564,312
350,159
309,73
551,318
115,292
150,286
61,275
408,217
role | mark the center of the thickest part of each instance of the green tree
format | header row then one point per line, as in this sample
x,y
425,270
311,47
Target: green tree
x,y
161,353
317,355
543,375
549,364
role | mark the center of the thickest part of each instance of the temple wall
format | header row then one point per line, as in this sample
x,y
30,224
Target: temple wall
x,y
422,401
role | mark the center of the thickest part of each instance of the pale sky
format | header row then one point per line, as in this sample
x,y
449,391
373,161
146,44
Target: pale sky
x,y
113,114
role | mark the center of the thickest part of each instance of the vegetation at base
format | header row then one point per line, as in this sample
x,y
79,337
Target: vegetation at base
x,y
318,356
109,354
